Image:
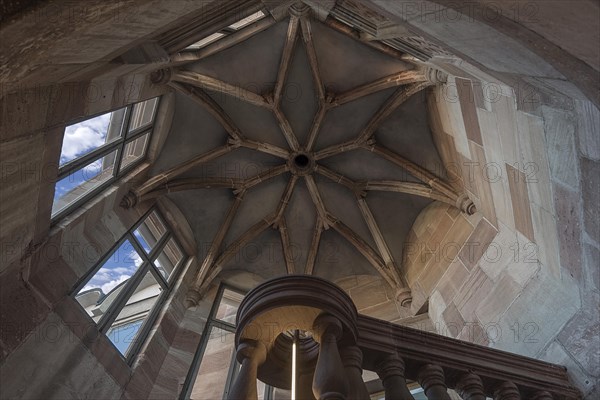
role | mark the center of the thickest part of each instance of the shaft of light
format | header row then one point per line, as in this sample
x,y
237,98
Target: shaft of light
x,y
294,367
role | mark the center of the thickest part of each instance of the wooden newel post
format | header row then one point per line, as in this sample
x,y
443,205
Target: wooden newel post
x,y
329,381
470,387
391,373
431,379
251,354
352,359
507,391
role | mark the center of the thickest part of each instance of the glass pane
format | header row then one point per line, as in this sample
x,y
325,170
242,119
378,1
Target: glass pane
x,y
105,285
262,387
207,40
134,150
123,331
150,231
214,367
82,181
228,306
248,20
88,135
123,335
168,258
142,114
418,394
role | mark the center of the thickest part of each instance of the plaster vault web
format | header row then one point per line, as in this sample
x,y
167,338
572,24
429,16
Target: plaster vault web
x,y
301,161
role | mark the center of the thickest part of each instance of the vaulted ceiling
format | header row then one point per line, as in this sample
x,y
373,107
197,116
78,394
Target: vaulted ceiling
x,y
300,150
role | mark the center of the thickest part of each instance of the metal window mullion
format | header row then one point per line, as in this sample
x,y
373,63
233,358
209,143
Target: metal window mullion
x,y
179,263
125,129
142,219
190,378
226,326
115,308
144,331
159,278
83,199
84,160
268,392
154,255
136,133
138,247
160,245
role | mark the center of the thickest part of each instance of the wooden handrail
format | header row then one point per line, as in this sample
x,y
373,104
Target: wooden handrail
x,y
377,338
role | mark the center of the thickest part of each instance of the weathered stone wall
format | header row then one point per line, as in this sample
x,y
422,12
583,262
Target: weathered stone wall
x,y
521,281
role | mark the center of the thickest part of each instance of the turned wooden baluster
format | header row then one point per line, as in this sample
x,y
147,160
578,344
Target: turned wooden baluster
x,y
542,396
250,354
470,387
304,387
352,359
329,381
431,379
391,373
507,391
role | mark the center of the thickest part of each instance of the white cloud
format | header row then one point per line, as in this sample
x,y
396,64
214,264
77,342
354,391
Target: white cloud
x,y
92,169
135,258
108,286
82,137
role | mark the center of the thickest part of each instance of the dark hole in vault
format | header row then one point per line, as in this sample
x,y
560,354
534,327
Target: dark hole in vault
x,y
301,161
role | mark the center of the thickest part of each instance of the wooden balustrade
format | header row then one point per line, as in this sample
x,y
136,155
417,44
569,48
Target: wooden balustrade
x,y
391,373
431,379
250,354
352,360
470,387
329,381
344,343
507,391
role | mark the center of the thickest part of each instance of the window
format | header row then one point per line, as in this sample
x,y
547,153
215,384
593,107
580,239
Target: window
x,y
124,291
215,368
242,23
97,151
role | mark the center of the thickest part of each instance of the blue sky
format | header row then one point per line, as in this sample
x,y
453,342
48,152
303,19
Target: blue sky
x,y
80,139
83,137
117,269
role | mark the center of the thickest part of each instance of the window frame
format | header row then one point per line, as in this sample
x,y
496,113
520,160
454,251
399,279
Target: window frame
x,y
117,145
108,318
213,322
228,30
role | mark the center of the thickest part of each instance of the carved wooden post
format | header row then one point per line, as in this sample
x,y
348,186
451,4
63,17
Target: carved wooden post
x,y
352,360
329,381
304,387
250,354
431,379
542,396
470,387
507,391
391,373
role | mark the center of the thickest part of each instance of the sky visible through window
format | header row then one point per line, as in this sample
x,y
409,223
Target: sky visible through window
x,y
142,241
74,180
83,137
119,267
80,139
122,336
